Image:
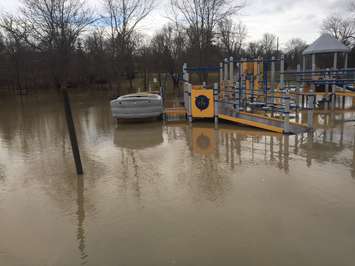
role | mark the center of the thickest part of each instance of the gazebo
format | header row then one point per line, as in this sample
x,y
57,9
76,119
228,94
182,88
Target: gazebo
x,y
326,44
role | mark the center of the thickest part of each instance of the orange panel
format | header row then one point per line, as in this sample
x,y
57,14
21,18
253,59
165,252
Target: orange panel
x,y
202,103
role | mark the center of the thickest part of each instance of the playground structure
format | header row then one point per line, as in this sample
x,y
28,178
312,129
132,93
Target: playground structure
x,y
244,95
261,93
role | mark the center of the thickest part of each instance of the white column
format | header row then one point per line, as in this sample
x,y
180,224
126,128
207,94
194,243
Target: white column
x,y
313,64
220,72
231,69
335,64
185,73
225,69
346,59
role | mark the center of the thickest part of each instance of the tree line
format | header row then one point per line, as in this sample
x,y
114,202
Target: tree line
x,y
65,43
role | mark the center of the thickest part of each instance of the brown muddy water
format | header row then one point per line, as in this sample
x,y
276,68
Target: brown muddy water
x,y
171,194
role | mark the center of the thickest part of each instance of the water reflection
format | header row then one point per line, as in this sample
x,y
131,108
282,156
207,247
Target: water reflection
x,y
150,175
247,146
2,173
138,136
131,138
81,218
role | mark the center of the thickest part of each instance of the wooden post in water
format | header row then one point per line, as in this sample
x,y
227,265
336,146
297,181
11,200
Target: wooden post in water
x,y
72,134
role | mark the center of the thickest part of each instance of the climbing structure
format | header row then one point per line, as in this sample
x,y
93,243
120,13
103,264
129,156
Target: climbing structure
x,y
261,93
243,95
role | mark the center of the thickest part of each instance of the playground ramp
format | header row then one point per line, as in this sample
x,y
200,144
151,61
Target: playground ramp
x,y
263,122
247,119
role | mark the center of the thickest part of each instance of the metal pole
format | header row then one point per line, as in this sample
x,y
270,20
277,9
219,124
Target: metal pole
x,y
252,89
258,75
326,103
303,77
189,86
238,88
298,88
265,82
272,85
285,96
162,94
215,94
313,87
242,89
222,84
345,67
72,134
335,63
282,75
287,114
186,80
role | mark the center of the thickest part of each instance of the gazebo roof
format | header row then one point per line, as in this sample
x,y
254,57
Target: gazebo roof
x,y
326,44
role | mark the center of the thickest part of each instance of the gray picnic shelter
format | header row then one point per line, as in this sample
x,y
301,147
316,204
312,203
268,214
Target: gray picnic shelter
x,y
326,44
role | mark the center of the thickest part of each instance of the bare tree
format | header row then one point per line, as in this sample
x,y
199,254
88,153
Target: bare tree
x,y
19,58
124,16
200,19
268,44
169,48
232,36
253,50
343,29
96,48
294,49
52,27
295,45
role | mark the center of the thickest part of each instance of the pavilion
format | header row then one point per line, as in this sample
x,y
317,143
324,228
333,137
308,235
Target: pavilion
x,y
326,44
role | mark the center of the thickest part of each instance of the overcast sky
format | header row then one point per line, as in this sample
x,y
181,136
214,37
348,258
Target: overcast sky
x,y
284,18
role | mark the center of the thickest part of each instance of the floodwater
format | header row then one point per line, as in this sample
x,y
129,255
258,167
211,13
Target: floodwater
x,y
171,194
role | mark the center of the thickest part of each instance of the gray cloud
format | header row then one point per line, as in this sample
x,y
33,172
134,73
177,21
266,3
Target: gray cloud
x,y
285,18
